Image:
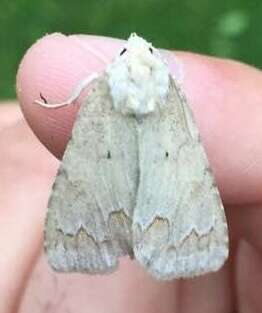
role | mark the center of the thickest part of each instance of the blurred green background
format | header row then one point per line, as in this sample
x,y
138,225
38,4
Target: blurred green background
x,y
223,28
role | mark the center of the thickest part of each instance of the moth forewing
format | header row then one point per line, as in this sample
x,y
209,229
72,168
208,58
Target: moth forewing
x,y
179,225
89,219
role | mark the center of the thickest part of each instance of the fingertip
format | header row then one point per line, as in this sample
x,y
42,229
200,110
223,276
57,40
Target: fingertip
x,y
53,66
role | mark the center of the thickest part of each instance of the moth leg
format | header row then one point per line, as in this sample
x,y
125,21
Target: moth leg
x,y
75,93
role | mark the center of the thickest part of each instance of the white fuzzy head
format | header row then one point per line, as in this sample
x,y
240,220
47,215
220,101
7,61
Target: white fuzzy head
x,y
138,78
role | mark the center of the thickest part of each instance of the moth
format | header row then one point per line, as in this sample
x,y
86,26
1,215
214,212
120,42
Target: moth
x,y
135,179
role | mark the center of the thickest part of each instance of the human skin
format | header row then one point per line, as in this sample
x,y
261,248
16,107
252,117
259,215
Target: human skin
x,y
226,99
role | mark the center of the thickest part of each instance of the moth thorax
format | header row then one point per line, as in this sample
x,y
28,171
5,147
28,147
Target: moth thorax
x,y
138,82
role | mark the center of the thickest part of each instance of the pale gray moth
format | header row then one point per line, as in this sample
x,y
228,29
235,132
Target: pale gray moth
x,y
135,179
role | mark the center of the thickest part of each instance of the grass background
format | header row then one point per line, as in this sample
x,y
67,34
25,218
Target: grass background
x,y
222,28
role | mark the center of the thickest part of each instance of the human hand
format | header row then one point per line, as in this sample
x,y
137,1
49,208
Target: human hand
x,y
226,100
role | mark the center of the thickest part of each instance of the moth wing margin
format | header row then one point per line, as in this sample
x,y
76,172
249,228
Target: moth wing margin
x,y
179,225
88,225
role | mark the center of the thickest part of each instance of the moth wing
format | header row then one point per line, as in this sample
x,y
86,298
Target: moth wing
x,y
89,218
179,225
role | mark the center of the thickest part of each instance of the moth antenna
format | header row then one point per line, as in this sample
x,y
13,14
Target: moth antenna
x,y
75,94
